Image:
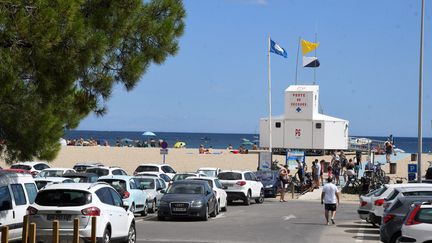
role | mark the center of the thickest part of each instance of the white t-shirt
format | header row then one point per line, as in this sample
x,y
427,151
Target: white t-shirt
x,y
319,168
330,191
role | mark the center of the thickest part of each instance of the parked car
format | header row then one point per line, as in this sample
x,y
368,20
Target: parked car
x,y
132,195
417,226
106,171
82,177
188,198
209,171
242,185
377,210
218,189
390,230
33,167
54,172
17,192
366,204
83,201
270,181
41,182
82,167
162,168
152,186
163,176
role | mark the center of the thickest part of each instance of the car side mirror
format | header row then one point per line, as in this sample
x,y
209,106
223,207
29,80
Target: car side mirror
x,y
163,191
125,205
224,187
258,179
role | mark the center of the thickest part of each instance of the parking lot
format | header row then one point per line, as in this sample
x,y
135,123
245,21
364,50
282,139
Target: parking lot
x,y
272,221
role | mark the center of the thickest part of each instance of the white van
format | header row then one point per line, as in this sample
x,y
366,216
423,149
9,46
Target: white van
x,y
17,192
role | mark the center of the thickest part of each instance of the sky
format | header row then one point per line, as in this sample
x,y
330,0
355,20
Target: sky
x,y
217,83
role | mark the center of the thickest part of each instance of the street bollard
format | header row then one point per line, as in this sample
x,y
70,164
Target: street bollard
x,y
93,230
292,190
5,234
56,237
32,233
25,229
75,238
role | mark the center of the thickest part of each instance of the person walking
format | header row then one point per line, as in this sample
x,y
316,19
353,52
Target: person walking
x,y
388,151
330,199
316,174
322,164
336,171
283,178
300,170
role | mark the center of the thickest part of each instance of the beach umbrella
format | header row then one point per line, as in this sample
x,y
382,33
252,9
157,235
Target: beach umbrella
x,y
148,133
179,145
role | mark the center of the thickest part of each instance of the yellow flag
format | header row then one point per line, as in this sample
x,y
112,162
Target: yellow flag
x,y
308,46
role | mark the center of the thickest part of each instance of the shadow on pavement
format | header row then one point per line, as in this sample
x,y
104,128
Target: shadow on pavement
x,y
367,237
357,226
374,232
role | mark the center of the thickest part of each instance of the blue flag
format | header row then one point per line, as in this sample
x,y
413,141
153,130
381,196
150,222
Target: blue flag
x,y
275,48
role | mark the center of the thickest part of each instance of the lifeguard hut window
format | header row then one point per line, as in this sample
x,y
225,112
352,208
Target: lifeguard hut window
x,y
278,124
318,125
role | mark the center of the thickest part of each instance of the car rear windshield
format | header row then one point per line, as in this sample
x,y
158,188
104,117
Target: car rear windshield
x,y
51,173
392,195
40,184
179,177
145,168
119,185
230,176
98,171
80,168
186,189
63,198
79,179
22,167
380,191
417,193
209,173
266,176
145,183
424,215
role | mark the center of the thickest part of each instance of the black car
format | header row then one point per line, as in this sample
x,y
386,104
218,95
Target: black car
x,y
188,198
270,181
82,177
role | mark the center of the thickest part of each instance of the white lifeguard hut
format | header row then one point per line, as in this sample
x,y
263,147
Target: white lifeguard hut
x,y
302,126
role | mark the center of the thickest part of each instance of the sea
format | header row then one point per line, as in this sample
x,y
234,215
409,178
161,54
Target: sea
x,y
217,140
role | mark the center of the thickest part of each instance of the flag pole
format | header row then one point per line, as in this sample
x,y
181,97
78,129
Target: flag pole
x,y
298,49
420,104
269,97
315,57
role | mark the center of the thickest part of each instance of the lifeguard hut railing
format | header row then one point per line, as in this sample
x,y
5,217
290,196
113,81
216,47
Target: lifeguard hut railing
x,y
366,145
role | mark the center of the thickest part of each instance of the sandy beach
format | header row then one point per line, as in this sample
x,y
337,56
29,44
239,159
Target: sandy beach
x,y
184,160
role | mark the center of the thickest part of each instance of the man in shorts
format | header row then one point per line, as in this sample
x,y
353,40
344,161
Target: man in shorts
x,y
330,199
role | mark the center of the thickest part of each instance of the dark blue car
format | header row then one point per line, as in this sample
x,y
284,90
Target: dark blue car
x,y
270,181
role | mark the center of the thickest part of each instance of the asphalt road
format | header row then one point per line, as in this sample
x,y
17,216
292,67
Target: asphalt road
x,y
292,221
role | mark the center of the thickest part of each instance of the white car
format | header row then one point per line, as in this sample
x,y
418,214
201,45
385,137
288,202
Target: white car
x,y
163,176
132,195
106,171
153,187
33,167
379,200
242,185
418,224
55,172
41,182
215,184
17,192
209,171
162,168
65,202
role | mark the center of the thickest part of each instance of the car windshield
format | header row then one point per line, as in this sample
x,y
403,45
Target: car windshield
x,y
180,177
144,168
186,189
22,167
209,173
265,176
424,215
145,183
210,182
51,173
63,198
98,171
230,176
119,185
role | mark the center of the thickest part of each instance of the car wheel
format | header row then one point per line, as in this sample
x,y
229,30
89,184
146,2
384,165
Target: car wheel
x,y
206,214
153,207
396,237
132,234
247,200
106,236
261,197
145,211
215,210
224,209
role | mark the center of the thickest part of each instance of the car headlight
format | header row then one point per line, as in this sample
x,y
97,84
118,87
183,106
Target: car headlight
x,y
269,186
196,204
163,203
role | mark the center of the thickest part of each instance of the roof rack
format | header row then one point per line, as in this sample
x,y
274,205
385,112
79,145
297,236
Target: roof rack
x,y
97,183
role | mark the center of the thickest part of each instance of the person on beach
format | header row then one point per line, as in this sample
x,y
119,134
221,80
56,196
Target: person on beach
x,y
230,147
203,150
336,171
330,199
322,163
283,178
315,174
329,172
388,151
300,170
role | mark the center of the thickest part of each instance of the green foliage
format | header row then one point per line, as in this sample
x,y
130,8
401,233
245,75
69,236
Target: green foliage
x,y
59,60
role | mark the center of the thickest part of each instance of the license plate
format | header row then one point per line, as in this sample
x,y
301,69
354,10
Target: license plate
x,y
60,217
179,209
